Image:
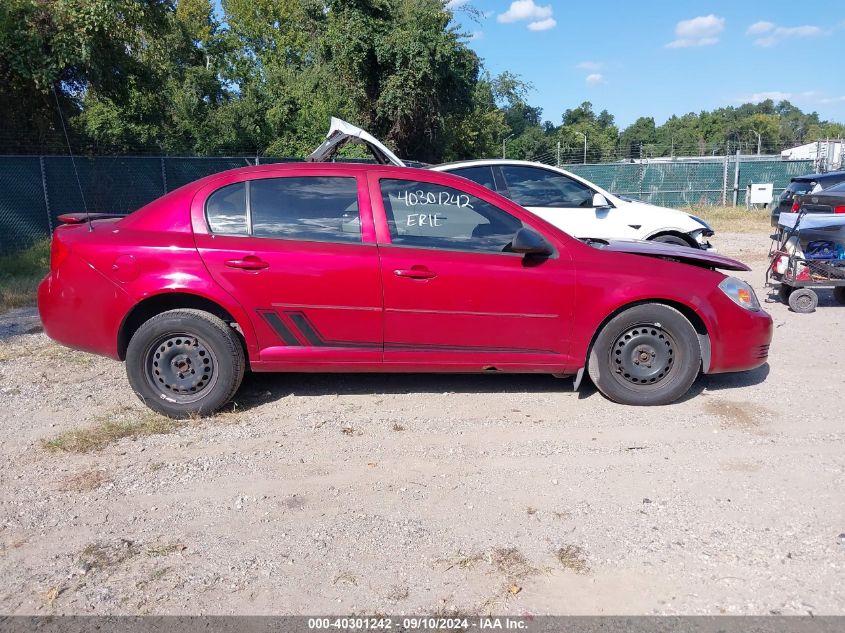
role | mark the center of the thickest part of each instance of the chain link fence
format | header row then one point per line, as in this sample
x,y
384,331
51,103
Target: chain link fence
x,y
34,190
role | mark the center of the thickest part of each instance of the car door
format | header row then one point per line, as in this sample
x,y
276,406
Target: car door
x,y
298,252
454,298
565,202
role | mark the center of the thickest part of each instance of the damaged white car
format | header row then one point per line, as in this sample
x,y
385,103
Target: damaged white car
x,y
573,204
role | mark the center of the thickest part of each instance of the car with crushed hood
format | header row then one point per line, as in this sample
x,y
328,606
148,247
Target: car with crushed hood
x,y
574,204
333,267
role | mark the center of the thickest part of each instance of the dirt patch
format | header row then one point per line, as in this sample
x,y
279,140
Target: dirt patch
x,y
84,481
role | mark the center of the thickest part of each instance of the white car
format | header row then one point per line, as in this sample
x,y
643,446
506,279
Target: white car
x,y
579,207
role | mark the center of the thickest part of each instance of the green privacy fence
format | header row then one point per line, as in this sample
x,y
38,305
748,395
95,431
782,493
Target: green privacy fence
x,y
34,190
687,183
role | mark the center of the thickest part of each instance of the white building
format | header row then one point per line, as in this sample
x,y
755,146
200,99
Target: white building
x,y
826,154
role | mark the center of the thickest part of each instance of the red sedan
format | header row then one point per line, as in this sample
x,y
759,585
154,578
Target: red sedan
x,y
368,268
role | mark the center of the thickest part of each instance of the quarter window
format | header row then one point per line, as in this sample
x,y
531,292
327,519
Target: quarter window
x,y
434,216
226,210
533,187
311,208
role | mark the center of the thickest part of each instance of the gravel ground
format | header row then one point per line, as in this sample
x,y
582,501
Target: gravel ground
x,y
431,494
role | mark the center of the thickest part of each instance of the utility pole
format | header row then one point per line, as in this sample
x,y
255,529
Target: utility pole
x,y
505,140
759,141
585,146
558,153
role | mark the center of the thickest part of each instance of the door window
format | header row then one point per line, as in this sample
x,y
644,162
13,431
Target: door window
x,y
435,216
309,208
482,175
535,187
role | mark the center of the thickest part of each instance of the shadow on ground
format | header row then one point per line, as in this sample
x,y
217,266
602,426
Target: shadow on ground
x,y
258,389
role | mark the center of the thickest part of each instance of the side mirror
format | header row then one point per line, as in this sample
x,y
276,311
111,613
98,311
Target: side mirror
x,y
599,201
530,242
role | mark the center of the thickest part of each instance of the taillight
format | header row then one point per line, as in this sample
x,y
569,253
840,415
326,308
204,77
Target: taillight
x,y
796,207
839,209
58,251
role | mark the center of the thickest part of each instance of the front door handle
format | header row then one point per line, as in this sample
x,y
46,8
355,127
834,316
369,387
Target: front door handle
x,y
250,262
416,272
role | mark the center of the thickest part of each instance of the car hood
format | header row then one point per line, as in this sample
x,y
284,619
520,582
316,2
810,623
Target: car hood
x,y
671,252
340,133
675,217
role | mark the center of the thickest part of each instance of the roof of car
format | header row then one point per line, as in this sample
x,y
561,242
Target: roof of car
x,y
830,175
488,161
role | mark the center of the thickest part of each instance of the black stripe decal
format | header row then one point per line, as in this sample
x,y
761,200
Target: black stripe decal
x,y
310,332
279,327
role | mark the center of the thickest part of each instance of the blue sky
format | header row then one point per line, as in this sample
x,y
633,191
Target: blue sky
x,y
658,58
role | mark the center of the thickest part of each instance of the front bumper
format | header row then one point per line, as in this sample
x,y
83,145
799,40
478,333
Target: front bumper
x,y
741,339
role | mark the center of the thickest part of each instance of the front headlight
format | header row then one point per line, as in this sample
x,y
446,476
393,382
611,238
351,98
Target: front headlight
x,y
708,230
740,293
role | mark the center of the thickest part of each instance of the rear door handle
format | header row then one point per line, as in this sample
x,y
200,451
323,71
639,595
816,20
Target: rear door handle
x,y
416,272
250,262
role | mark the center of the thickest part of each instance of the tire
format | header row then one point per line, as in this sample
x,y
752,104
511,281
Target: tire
x,y
671,239
803,301
185,362
839,295
647,355
784,292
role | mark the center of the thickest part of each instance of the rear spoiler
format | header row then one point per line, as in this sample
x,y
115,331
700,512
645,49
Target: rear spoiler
x,y
79,218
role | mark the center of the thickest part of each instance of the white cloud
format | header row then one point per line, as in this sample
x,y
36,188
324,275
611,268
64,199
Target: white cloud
x,y
475,35
525,10
543,25
807,96
774,95
590,66
776,34
760,27
594,79
701,31
454,4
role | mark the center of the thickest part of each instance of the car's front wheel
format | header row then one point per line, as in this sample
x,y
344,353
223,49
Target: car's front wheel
x,y
671,239
647,355
185,362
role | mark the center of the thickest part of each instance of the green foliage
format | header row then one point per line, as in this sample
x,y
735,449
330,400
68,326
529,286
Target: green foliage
x,y
20,274
265,76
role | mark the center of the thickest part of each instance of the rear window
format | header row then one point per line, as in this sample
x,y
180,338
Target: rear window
x,y
310,208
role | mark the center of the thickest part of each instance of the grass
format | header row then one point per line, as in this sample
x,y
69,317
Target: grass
x,y
107,429
733,219
20,274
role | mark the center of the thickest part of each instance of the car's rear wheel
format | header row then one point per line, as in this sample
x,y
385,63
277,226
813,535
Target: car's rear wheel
x,y
647,355
671,239
185,362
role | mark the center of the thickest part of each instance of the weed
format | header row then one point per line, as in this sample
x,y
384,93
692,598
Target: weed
x,y
573,558
110,428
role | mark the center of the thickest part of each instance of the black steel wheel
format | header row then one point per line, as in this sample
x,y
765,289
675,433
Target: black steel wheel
x,y
184,362
647,355
803,300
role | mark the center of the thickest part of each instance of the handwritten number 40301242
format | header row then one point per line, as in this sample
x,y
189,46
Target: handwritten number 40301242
x,y
442,198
